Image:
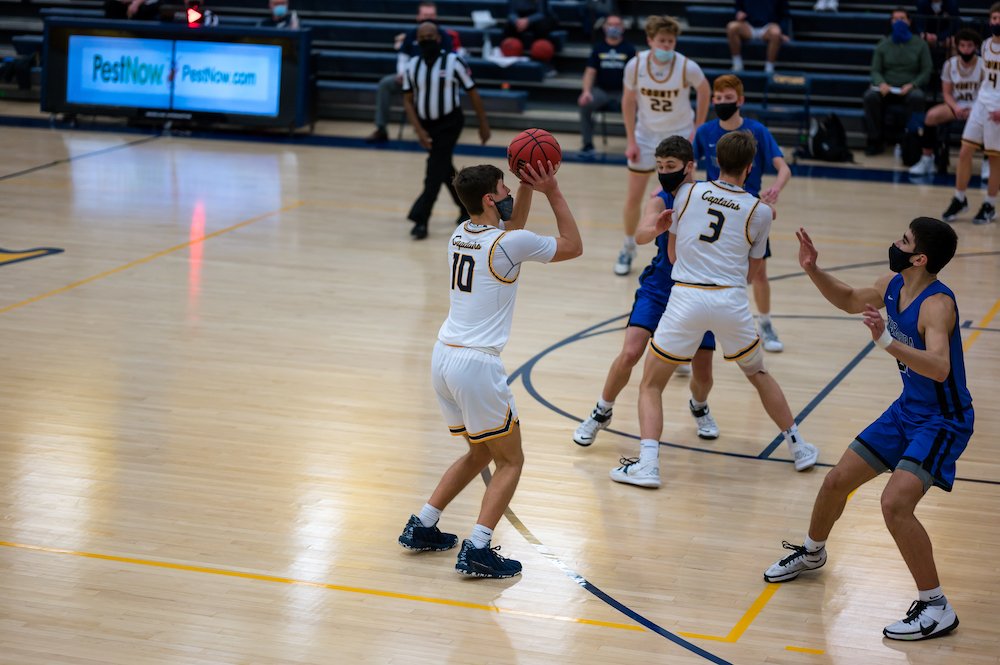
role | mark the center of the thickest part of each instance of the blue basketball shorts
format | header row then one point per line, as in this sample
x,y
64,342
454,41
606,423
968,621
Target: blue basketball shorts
x,y
926,445
648,310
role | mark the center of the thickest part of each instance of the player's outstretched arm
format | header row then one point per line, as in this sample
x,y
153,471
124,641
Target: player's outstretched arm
x,y
936,324
841,295
569,245
648,228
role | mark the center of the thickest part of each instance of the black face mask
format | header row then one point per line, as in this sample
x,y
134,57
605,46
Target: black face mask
x,y
898,259
671,181
967,57
726,111
430,49
506,208
995,29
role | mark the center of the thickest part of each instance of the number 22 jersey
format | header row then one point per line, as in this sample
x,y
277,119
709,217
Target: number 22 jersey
x,y
484,263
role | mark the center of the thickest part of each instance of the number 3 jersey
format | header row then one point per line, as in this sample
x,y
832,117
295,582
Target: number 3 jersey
x,y
484,263
719,228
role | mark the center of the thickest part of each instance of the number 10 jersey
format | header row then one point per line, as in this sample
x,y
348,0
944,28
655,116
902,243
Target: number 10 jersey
x,y
484,263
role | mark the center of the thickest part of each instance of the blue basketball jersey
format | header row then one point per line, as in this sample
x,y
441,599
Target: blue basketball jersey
x,y
921,395
708,136
656,276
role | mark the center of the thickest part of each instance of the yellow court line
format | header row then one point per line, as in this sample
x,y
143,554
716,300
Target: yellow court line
x,y
804,650
321,585
982,324
151,257
747,619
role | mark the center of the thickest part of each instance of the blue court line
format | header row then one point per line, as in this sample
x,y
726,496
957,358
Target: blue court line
x,y
804,413
494,152
95,153
587,585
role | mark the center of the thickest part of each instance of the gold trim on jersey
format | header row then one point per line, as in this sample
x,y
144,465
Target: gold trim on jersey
x,y
489,262
706,287
640,171
740,354
487,434
482,230
974,144
748,221
687,201
649,68
991,153
663,355
738,190
456,431
989,43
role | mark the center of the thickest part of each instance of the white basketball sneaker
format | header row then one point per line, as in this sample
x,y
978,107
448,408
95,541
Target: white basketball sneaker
x,y
804,454
799,560
637,472
707,429
588,429
923,622
770,338
683,370
623,265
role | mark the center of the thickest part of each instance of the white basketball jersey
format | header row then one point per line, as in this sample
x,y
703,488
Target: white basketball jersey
x,y
484,263
720,227
989,92
663,93
965,80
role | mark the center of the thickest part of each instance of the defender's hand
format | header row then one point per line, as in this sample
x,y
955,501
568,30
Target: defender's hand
x,y
807,251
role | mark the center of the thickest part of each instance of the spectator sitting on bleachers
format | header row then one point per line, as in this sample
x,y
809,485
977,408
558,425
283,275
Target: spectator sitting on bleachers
x,y
901,67
528,20
935,21
143,10
281,17
961,77
408,48
765,20
604,68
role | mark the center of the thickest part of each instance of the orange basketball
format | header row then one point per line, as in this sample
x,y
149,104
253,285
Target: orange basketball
x,y
529,147
512,47
542,50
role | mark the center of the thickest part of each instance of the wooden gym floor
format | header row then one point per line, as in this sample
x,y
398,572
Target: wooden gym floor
x,y
217,417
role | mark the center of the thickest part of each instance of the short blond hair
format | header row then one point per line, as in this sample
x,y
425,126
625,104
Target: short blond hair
x,y
657,24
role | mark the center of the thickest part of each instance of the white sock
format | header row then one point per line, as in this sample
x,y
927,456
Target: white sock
x,y
933,596
992,200
429,515
792,435
696,404
481,536
738,60
764,319
630,242
649,449
927,158
769,67
814,545
605,405
959,195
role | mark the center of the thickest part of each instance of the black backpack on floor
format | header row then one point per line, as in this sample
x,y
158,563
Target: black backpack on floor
x,y
828,140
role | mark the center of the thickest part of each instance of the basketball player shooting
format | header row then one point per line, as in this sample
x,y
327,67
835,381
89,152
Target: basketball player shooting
x,y
717,244
468,376
922,434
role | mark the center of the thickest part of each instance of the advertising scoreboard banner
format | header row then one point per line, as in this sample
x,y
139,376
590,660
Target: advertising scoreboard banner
x,y
174,75
119,72
227,78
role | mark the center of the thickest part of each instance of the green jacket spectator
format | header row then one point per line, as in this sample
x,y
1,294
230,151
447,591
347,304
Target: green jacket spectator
x,y
899,64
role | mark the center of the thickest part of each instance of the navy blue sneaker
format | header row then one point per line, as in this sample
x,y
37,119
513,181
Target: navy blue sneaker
x,y
422,538
485,562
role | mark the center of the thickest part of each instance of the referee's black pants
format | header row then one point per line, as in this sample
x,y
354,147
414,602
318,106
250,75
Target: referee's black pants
x,y
444,134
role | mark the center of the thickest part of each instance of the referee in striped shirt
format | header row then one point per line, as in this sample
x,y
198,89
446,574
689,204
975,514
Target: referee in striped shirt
x,y
430,95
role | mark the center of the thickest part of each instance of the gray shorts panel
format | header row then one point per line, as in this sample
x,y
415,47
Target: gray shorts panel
x,y
869,456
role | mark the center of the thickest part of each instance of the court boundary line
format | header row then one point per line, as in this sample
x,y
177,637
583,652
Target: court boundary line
x,y
322,585
95,153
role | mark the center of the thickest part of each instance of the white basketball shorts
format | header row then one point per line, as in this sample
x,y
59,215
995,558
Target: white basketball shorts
x,y
692,311
647,148
472,390
981,132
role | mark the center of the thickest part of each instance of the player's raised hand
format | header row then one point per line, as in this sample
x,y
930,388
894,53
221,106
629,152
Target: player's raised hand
x,y
873,319
664,221
541,179
807,251
770,195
